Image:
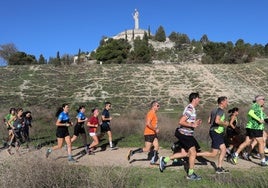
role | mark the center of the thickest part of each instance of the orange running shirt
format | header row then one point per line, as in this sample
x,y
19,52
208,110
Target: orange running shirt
x,y
152,118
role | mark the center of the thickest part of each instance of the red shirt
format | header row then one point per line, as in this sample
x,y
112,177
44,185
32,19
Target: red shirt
x,y
93,121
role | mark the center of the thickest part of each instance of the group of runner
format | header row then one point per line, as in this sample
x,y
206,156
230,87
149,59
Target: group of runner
x,y
187,146
17,123
63,122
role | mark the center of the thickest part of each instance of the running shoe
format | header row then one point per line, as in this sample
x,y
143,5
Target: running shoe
x,y
264,163
228,151
9,151
113,147
90,152
245,156
193,177
154,159
71,159
162,164
221,170
129,154
233,159
256,155
48,152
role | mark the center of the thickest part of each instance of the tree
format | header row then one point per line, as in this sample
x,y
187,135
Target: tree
x,y
21,58
113,51
142,51
7,50
173,36
204,39
79,56
160,34
57,60
41,60
215,51
266,50
149,32
66,59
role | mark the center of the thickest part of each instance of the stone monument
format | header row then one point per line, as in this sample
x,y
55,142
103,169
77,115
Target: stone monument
x,y
131,34
136,19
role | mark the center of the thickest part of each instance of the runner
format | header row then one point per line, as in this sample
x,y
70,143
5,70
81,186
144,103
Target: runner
x,y
18,122
106,124
217,125
185,135
150,134
93,124
9,125
79,126
25,129
254,128
231,132
246,154
62,133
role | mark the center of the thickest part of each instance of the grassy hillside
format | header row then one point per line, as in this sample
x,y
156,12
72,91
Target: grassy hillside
x,y
129,87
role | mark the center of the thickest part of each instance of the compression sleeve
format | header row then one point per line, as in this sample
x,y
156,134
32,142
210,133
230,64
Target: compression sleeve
x,y
253,115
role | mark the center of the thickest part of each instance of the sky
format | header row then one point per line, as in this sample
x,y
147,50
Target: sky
x,y
48,26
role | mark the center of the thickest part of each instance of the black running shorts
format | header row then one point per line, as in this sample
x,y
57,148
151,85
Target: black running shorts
x,y
62,132
79,129
254,133
150,138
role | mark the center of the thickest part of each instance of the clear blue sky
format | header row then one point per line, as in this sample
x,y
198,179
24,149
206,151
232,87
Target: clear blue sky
x,y
45,26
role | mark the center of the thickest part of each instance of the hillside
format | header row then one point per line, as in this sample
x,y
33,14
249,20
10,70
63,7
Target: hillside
x,y
131,86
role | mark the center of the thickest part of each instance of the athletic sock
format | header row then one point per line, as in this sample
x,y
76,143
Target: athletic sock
x,y
70,156
139,150
111,144
236,154
166,159
190,171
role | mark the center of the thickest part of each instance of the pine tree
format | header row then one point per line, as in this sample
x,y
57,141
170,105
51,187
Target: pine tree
x,y
160,34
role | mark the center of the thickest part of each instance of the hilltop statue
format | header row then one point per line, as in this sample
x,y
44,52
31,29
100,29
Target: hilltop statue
x,y
136,18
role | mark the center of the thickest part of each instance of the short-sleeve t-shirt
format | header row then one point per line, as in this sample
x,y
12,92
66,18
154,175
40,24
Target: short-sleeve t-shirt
x,y
190,113
214,126
64,117
81,116
106,114
93,121
151,116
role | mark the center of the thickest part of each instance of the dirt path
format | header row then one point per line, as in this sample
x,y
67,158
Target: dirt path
x,y
115,158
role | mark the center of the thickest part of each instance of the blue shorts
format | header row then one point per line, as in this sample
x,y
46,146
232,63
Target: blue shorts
x,y
217,139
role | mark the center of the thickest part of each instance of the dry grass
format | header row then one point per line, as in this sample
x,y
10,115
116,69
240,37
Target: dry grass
x,y
36,172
